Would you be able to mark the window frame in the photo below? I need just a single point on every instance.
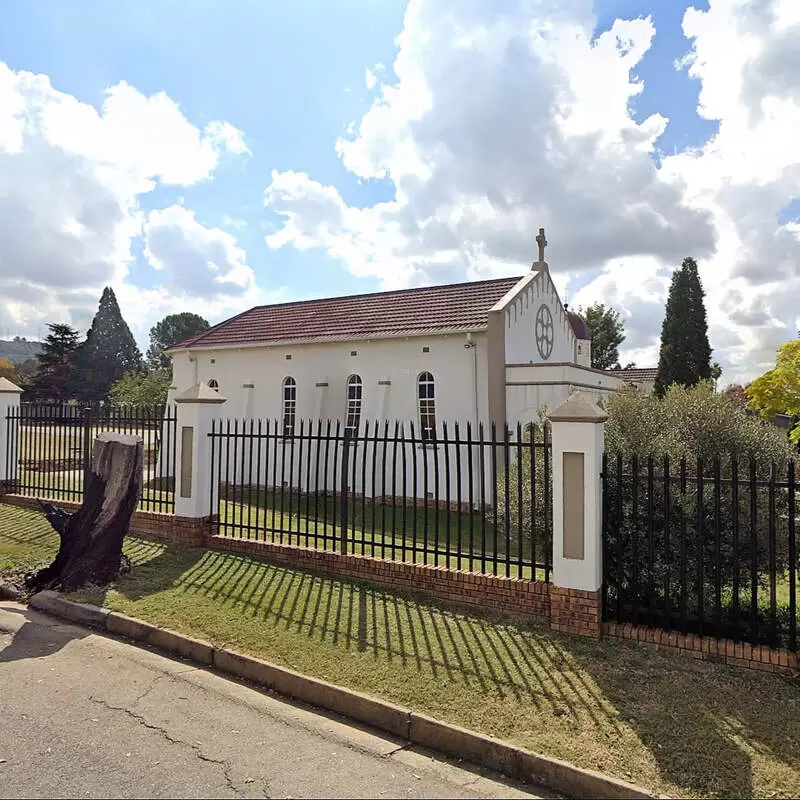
(353, 405)
(426, 406)
(289, 405)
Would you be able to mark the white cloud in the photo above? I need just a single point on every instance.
(502, 119)
(197, 261)
(507, 117)
(70, 182)
(370, 79)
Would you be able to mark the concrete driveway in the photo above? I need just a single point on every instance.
(83, 715)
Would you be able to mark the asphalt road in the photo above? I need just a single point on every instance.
(83, 715)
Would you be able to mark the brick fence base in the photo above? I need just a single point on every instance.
(510, 597)
(185, 530)
(706, 648)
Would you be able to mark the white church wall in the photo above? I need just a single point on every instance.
(531, 388)
(537, 328)
(583, 352)
(252, 381)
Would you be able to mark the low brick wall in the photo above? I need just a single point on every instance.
(528, 600)
(186, 530)
(706, 648)
(575, 611)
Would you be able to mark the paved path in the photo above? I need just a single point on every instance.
(83, 715)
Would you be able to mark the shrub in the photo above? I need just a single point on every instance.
(691, 422)
(527, 495)
(692, 537)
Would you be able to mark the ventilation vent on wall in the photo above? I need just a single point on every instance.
(354, 352)
(426, 349)
(288, 357)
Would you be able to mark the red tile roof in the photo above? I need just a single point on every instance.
(430, 309)
(636, 374)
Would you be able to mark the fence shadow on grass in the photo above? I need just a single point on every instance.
(398, 630)
(702, 724)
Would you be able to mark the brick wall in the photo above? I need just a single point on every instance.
(723, 651)
(185, 530)
(528, 600)
(575, 611)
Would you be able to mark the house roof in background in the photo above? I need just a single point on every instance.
(428, 309)
(636, 374)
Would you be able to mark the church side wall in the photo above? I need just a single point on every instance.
(252, 378)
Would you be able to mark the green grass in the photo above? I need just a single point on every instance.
(673, 725)
(424, 534)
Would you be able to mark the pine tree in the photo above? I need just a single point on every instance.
(109, 351)
(685, 356)
(57, 374)
(173, 329)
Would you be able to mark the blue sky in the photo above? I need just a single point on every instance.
(290, 75)
(505, 117)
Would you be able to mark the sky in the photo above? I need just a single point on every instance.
(208, 156)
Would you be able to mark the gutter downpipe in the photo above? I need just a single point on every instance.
(471, 345)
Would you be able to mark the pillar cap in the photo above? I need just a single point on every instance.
(578, 407)
(201, 393)
(7, 387)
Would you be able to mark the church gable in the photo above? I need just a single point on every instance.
(537, 327)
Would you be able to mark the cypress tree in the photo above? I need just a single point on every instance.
(685, 355)
(109, 350)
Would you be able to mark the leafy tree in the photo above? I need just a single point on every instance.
(685, 356)
(716, 373)
(57, 376)
(8, 370)
(172, 329)
(141, 389)
(738, 394)
(778, 391)
(608, 333)
(109, 350)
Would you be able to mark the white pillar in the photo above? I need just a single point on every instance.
(577, 435)
(9, 432)
(197, 408)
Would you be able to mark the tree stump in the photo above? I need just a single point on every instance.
(91, 538)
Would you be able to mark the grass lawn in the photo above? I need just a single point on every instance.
(421, 534)
(672, 725)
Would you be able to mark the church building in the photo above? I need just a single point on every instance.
(492, 351)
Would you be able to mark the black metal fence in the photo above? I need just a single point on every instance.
(49, 449)
(465, 499)
(705, 548)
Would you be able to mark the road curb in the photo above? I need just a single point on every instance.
(514, 762)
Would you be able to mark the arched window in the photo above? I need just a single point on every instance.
(289, 405)
(354, 393)
(212, 384)
(427, 406)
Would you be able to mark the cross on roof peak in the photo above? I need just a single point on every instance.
(542, 242)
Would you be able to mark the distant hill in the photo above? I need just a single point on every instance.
(19, 350)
